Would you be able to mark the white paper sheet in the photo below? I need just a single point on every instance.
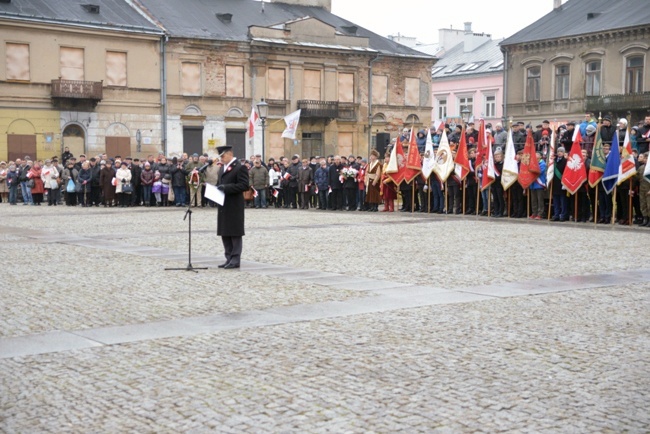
(214, 194)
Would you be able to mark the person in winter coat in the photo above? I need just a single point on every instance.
(4, 187)
(146, 180)
(84, 180)
(38, 189)
(536, 190)
(560, 202)
(421, 141)
(13, 181)
(321, 179)
(106, 176)
(25, 187)
(68, 175)
(178, 173)
(305, 178)
(50, 177)
(123, 176)
(259, 180)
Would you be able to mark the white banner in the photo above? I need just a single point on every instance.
(292, 120)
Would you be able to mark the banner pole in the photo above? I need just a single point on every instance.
(527, 191)
(429, 195)
(508, 203)
(596, 208)
(575, 208)
(550, 201)
(629, 208)
(464, 186)
(489, 201)
(446, 198)
(413, 196)
(613, 220)
(478, 195)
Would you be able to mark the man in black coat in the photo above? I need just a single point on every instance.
(233, 182)
(336, 197)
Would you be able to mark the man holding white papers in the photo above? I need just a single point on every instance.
(233, 181)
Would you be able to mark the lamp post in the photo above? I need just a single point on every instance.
(263, 112)
(465, 114)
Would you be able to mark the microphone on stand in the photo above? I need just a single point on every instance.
(205, 166)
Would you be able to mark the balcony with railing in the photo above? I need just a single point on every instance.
(618, 102)
(318, 109)
(77, 90)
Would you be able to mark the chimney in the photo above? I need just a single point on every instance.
(468, 27)
(557, 4)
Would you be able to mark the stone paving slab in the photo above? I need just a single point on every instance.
(51, 342)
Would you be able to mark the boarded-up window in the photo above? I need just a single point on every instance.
(190, 78)
(276, 145)
(115, 68)
(276, 84)
(346, 87)
(379, 89)
(72, 63)
(412, 92)
(312, 84)
(17, 62)
(235, 81)
(345, 144)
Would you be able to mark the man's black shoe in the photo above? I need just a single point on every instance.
(229, 266)
(223, 265)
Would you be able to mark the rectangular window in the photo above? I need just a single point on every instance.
(72, 63)
(276, 84)
(592, 75)
(17, 61)
(379, 89)
(412, 91)
(115, 68)
(466, 102)
(634, 74)
(490, 106)
(311, 85)
(533, 77)
(442, 108)
(346, 87)
(562, 82)
(235, 81)
(190, 78)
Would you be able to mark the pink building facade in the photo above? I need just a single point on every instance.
(482, 95)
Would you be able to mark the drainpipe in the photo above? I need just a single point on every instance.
(505, 85)
(370, 100)
(163, 91)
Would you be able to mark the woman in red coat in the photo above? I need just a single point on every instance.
(38, 189)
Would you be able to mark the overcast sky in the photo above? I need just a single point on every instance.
(423, 18)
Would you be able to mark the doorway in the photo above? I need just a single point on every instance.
(118, 146)
(75, 139)
(312, 144)
(237, 139)
(19, 145)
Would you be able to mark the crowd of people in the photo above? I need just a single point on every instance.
(352, 183)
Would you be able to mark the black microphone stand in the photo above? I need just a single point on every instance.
(189, 266)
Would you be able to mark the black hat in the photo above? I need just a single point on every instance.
(124, 163)
(545, 122)
(571, 123)
(538, 126)
(607, 118)
(223, 149)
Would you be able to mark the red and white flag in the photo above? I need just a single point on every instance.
(487, 165)
(628, 165)
(575, 172)
(462, 158)
(528, 166)
(251, 124)
(275, 193)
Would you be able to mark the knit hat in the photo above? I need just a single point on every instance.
(561, 149)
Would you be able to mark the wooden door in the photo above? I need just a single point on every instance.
(193, 140)
(118, 146)
(19, 145)
(237, 139)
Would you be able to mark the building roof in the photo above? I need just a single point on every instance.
(111, 13)
(484, 59)
(197, 19)
(578, 17)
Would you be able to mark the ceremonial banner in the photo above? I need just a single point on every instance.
(598, 161)
(482, 145)
(462, 158)
(628, 165)
(489, 174)
(429, 160)
(529, 166)
(510, 166)
(550, 162)
(292, 120)
(444, 160)
(413, 162)
(396, 169)
(610, 177)
(575, 172)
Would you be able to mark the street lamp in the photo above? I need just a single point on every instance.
(263, 113)
(465, 114)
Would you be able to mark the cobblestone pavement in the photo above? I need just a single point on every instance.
(337, 322)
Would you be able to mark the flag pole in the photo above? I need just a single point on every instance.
(429, 195)
(465, 185)
(446, 198)
(489, 201)
(613, 221)
(596, 207)
(575, 208)
(478, 195)
(550, 200)
(629, 207)
(508, 203)
(413, 197)
(527, 191)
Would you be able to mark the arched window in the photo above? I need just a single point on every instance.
(634, 74)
